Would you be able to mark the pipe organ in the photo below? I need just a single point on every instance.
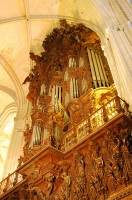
(78, 142)
(71, 65)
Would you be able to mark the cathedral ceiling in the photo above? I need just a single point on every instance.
(23, 27)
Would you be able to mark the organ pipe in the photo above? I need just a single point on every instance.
(56, 94)
(60, 94)
(96, 68)
(53, 96)
(102, 66)
(55, 131)
(56, 91)
(74, 91)
(45, 134)
(92, 68)
(50, 90)
(74, 63)
(43, 90)
(77, 89)
(74, 88)
(67, 99)
(33, 136)
(81, 62)
(84, 85)
(66, 76)
(70, 62)
(36, 136)
(100, 70)
(38, 132)
(71, 89)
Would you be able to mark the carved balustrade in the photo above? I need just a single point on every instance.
(97, 167)
(78, 133)
(10, 181)
(94, 121)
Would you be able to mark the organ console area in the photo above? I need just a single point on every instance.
(78, 135)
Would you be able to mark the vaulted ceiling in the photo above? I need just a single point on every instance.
(23, 26)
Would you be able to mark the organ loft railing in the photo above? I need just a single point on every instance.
(93, 122)
(78, 132)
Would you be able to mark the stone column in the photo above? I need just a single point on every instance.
(16, 143)
(117, 45)
(123, 63)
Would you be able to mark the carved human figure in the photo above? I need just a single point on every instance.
(65, 188)
(115, 146)
(78, 175)
(127, 157)
(32, 95)
(117, 160)
(49, 178)
(66, 178)
(116, 171)
(110, 179)
(99, 164)
(56, 197)
(41, 195)
(94, 187)
(78, 163)
(27, 138)
(105, 152)
(63, 166)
